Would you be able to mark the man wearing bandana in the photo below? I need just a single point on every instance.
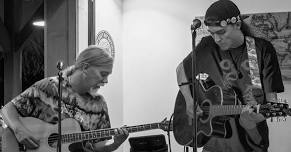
(234, 59)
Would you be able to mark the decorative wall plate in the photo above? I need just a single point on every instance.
(104, 40)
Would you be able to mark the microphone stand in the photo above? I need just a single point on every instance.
(194, 84)
(60, 76)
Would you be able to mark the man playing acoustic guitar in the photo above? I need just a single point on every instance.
(235, 60)
(80, 101)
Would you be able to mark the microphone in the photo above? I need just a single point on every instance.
(60, 65)
(196, 24)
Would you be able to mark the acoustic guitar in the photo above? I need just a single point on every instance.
(71, 133)
(214, 119)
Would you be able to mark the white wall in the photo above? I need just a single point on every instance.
(156, 37)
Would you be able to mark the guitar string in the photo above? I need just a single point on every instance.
(82, 134)
(110, 132)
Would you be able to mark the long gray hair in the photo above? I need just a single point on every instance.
(92, 56)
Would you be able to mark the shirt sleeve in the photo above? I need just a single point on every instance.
(30, 102)
(25, 103)
(272, 79)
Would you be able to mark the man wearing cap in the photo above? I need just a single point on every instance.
(248, 65)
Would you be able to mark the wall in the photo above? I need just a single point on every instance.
(156, 37)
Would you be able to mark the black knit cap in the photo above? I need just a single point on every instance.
(222, 12)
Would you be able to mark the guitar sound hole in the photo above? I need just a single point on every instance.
(205, 109)
(53, 140)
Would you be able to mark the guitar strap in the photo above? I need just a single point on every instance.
(256, 85)
(253, 62)
(256, 88)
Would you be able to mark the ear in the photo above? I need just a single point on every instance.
(238, 25)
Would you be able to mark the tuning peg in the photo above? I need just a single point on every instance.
(281, 105)
(267, 114)
(284, 119)
(280, 119)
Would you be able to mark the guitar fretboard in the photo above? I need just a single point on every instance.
(222, 110)
(89, 135)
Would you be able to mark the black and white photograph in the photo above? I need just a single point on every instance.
(145, 76)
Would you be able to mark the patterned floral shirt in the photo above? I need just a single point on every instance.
(41, 101)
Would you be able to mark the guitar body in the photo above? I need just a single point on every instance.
(207, 125)
(44, 131)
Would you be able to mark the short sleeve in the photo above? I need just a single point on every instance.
(25, 103)
(272, 79)
(30, 102)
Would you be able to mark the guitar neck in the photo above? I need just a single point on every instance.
(222, 110)
(95, 134)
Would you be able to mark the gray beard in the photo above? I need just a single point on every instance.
(94, 92)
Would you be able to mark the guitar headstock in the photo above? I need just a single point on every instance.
(166, 125)
(275, 109)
